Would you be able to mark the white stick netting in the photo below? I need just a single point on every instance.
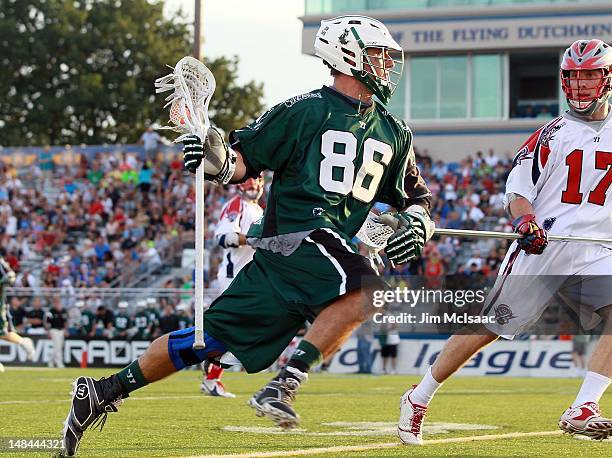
(193, 86)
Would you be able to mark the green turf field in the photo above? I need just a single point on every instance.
(171, 418)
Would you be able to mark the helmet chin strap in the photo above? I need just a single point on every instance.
(596, 105)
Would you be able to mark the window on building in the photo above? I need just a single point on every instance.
(424, 88)
(534, 85)
(453, 86)
(487, 86)
(397, 104)
(457, 87)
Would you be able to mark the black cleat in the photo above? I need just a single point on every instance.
(91, 402)
(275, 399)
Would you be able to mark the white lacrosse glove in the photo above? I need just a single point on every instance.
(219, 160)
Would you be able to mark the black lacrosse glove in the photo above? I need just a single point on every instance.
(535, 239)
(193, 152)
(408, 240)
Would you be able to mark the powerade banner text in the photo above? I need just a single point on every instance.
(99, 353)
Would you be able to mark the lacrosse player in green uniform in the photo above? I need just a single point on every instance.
(334, 152)
(7, 330)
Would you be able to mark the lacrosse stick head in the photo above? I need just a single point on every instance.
(192, 85)
(374, 235)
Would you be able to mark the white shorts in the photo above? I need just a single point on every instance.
(578, 274)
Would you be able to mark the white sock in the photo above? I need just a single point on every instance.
(592, 389)
(424, 391)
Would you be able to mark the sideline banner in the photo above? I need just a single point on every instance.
(100, 352)
(533, 358)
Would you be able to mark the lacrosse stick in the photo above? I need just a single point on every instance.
(377, 229)
(193, 86)
(514, 236)
(374, 236)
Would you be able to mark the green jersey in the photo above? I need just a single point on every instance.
(122, 322)
(331, 163)
(153, 317)
(87, 321)
(142, 320)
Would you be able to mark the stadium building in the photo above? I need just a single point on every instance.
(478, 74)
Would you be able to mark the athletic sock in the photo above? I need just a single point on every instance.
(305, 356)
(592, 389)
(425, 390)
(214, 372)
(131, 378)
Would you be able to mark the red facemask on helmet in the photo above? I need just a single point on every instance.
(252, 188)
(586, 76)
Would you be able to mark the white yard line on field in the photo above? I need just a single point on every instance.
(366, 447)
(131, 399)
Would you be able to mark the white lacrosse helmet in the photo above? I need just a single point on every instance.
(342, 42)
(585, 95)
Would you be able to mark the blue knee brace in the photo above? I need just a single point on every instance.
(182, 354)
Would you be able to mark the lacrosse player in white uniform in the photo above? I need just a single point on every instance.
(559, 184)
(236, 218)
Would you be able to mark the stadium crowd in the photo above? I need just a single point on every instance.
(105, 220)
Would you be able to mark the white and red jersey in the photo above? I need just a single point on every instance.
(237, 215)
(565, 170)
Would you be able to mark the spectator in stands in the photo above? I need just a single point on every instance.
(103, 324)
(35, 316)
(56, 323)
(18, 313)
(169, 321)
(492, 160)
(544, 113)
(365, 337)
(151, 141)
(389, 342)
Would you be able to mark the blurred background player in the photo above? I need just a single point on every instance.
(7, 330)
(236, 218)
(142, 321)
(56, 323)
(122, 321)
(560, 180)
(154, 314)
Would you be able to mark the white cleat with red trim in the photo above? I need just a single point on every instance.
(586, 420)
(410, 427)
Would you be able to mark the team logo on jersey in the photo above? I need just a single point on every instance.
(232, 216)
(342, 38)
(503, 314)
(317, 211)
(548, 223)
(522, 155)
(298, 98)
(548, 133)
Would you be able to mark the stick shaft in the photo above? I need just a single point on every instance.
(199, 259)
(513, 236)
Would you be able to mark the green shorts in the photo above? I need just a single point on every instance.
(271, 297)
